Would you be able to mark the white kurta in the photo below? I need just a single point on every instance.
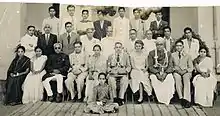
(89, 44)
(121, 28)
(149, 45)
(108, 44)
(68, 19)
(204, 87)
(54, 23)
(29, 42)
(193, 51)
(137, 75)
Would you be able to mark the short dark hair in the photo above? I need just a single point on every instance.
(30, 26)
(179, 41)
(100, 11)
(77, 42)
(20, 47)
(187, 28)
(133, 30)
(85, 11)
(69, 6)
(37, 47)
(51, 7)
(67, 23)
(97, 45)
(118, 43)
(102, 73)
(136, 9)
(140, 42)
(167, 27)
(158, 11)
(119, 8)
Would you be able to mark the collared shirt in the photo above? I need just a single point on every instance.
(71, 19)
(101, 23)
(83, 25)
(158, 23)
(108, 44)
(193, 51)
(168, 43)
(149, 45)
(185, 62)
(79, 60)
(54, 23)
(88, 44)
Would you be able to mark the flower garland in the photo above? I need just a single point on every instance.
(165, 63)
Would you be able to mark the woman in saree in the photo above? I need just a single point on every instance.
(139, 74)
(204, 82)
(96, 65)
(33, 87)
(16, 75)
(102, 99)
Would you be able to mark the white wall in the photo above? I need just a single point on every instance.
(181, 17)
(9, 34)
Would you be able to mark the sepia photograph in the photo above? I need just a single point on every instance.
(59, 59)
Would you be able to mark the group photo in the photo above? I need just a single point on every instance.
(66, 59)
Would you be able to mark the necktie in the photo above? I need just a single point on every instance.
(47, 38)
(118, 59)
(179, 55)
(68, 38)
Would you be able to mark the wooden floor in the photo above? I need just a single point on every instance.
(76, 109)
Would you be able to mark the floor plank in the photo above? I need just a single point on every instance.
(130, 110)
(23, 110)
(181, 110)
(122, 110)
(138, 110)
(56, 109)
(41, 108)
(199, 111)
(73, 109)
(191, 111)
(64, 109)
(35, 107)
(49, 109)
(80, 110)
(156, 110)
(173, 110)
(147, 109)
(14, 112)
(164, 110)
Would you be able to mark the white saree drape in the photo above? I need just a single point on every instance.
(204, 87)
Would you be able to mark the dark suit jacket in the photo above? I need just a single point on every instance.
(60, 62)
(157, 31)
(47, 49)
(100, 32)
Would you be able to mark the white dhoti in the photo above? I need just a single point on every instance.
(90, 84)
(164, 90)
(59, 79)
(79, 82)
(138, 77)
(123, 85)
(204, 88)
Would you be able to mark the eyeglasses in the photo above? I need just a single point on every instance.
(57, 48)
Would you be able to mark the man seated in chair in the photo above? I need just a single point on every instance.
(78, 71)
(160, 69)
(57, 68)
(119, 66)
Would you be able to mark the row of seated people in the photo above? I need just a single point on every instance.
(160, 71)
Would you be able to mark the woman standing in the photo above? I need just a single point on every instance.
(96, 65)
(33, 87)
(16, 75)
(139, 74)
(204, 81)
